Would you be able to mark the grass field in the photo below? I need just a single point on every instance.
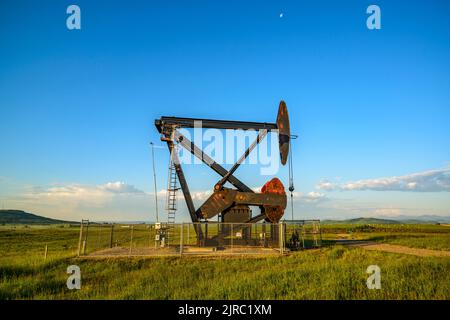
(333, 272)
(416, 236)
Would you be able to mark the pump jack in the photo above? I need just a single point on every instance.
(231, 204)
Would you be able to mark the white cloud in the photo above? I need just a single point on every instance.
(310, 197)
(119, 201)
(84, 191)
(120, 187)
(326, 185)
(428, 181)
(199, 195)
(388, 212)
(314, 196)
(112, 200)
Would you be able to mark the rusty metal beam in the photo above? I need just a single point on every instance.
(221, 200)
(215, 124)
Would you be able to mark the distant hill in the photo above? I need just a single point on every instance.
(422, 219)
(22, 217)
(361, 221)
(394, 220)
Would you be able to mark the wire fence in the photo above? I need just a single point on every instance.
(108, 239)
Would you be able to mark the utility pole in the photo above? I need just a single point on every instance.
(154, 179)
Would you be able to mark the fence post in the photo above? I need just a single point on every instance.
(320, 234)
(188, 238)
(231, 238)
(131, 240)
(86, 238)
(81, 237)
(263, 229)
(303, 234)
(181, 239)
(154, 236)
(45, 252)
(280, 232)
(111, 236)
(149, 236)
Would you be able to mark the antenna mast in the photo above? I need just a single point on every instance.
(154, 179)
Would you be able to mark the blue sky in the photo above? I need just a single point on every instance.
(77, 107)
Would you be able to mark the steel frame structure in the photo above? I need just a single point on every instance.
(224, 198)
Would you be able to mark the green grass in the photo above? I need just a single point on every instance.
(415, 240)
(370, 228)
(26, 246)
(425, 236)
(333, 272)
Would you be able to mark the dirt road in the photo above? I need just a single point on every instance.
(369, 245)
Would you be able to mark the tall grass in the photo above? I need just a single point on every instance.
(330, 273)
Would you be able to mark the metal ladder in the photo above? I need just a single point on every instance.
(171, 205)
